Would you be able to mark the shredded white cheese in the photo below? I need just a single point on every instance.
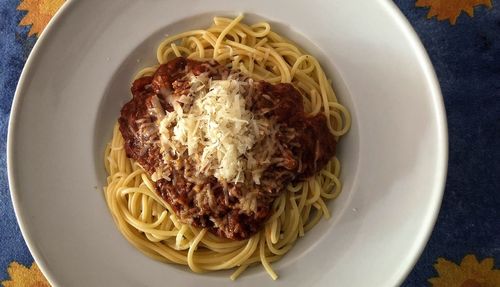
(214, 128)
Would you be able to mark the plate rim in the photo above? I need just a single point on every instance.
(442, 127)
(16, 103)
(428, 70)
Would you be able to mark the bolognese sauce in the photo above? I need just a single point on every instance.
(273, 144)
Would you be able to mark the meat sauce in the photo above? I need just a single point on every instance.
(306, 146)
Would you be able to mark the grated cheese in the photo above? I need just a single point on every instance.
(215, 129)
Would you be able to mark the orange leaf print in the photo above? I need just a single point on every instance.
(469, 273)
(21, 276)
(451, 9)
(39, 13)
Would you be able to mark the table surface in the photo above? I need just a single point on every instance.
(463, 42)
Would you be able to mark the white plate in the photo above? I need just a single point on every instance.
(78, 76)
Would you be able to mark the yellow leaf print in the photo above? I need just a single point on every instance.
(39, 13)
(21, 276)
(451, 9)
(470, 273)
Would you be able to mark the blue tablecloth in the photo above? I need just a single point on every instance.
(465, 52)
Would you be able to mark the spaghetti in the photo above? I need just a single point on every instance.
(152, 226)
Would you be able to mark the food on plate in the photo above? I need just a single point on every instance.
(225, 155)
